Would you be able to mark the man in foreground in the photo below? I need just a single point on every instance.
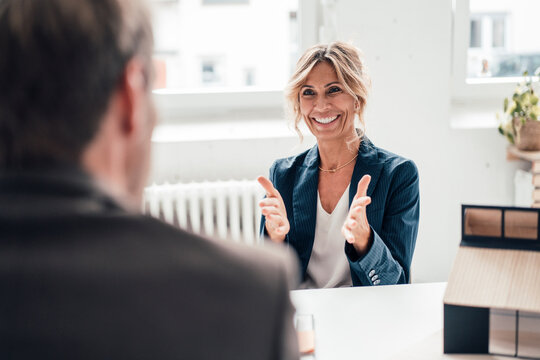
(82, 274)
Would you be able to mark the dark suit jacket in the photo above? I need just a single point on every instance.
(82, 278)
(393, 213)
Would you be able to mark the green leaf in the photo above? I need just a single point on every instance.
(510, 138)
(505, 104)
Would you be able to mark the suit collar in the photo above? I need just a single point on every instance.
(368, 163)
(53, 191)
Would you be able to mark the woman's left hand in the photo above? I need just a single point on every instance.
(356, 228)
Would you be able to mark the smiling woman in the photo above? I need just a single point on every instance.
(318, 202)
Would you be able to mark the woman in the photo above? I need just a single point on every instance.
(344, 188)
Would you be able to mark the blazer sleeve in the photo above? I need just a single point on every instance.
(389, 259)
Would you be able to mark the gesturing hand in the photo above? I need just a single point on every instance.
(273, 209)
(356, 228)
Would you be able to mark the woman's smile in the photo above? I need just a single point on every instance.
(325, 120)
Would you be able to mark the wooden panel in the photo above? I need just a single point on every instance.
(521, 224)
(483, 222)
(505, 279)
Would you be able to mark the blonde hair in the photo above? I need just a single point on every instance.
(350, 70)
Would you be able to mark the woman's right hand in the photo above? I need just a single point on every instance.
(273, 209)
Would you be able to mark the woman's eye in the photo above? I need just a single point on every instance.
(334, 89)
(308, 92)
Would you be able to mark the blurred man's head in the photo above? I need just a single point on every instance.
(75, 78)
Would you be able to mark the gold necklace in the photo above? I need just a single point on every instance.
(339, 167)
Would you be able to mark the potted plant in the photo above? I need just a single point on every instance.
(519, 122)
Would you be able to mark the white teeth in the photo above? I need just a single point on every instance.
(326, 120)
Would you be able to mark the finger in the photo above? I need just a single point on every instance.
(272, 223)
(363, 186)
(283, 229)
(267, 211)
(268, 187)
(269, 202)
(358, 210)
(274, 218)
(277, 225)
(351, 224)
(347, 234)
(361, 201)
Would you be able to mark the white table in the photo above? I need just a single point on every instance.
(398, 322)
(376, 322)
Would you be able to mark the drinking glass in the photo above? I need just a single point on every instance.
(305, 329)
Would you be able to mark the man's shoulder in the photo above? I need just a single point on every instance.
(222, 259)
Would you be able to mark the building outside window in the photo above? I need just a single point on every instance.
(212, 72)
(476, 32)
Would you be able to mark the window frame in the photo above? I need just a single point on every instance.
(180, 104)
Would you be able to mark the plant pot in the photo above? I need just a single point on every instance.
(528, 138)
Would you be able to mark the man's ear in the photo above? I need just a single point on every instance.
(132, 89)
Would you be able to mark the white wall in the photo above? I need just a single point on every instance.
(407, 45)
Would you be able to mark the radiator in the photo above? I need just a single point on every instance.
(222, 209)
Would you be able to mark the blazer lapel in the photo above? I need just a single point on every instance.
(305, 205)
(366, 164)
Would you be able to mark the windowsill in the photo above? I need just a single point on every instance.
(498, 80)
(176, 104)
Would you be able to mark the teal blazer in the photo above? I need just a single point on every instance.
(393, 213)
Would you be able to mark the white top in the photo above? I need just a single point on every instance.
(328, 266)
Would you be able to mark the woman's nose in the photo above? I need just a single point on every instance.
(321, 103)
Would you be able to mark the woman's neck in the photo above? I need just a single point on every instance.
(334, 153)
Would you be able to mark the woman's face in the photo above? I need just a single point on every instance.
(325, 106)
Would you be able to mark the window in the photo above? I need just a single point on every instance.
(486, 44)
(257, 37)
(502, 40)
(494, 42)
(211, 53)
